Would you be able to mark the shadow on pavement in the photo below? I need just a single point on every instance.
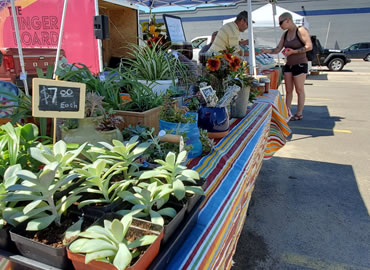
(305, 209)
(316, 122)
(320, 77)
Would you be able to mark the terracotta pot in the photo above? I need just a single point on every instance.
(78, 260)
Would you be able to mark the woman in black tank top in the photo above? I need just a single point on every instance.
(297, 42)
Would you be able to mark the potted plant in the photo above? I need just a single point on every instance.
(93, 127)
(115, 244)
(148, 200)
(155, 66)
(177, 120)
(15, 143)
(42, 214)
(182, 181)
(142, 109)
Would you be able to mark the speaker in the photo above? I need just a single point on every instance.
(101, 27)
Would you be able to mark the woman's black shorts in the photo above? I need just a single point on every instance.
(296, 69)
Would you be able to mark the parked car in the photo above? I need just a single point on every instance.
(333, 59)
(358, 51)
(198, 43)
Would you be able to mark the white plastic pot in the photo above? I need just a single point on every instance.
(159, 87)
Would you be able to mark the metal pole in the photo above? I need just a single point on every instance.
(100, 55)
(60, 37)
(276, 39)
(19, 44)
(327, 34)
(252, 58)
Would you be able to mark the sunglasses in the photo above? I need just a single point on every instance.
(281, 22)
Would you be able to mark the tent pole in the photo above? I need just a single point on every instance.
(99, 41)
(60, 37)
(273, 4)
(252, 58)
(19, 44)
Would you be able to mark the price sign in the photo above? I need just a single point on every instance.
(58, 99)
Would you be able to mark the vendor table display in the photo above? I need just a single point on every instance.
(231, 171)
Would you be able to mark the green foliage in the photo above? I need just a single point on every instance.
(48, 74)
(207, 143)
(14, 145)
(170, 112)
(109, 243)
(98, 181)
(154, 62)
(173, 173)
(147, 199)
(39, 189)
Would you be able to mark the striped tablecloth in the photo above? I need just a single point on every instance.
(231, 171)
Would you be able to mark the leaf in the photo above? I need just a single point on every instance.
(40, 223)
(93, 245)
(156, 218)
(72, 231)
(170, 159)
(31, 206)
(142, 241)
(76, 245)
(123, 257)
(181, 157)
(99, 255)
(38, 154)
(60, 148)
(168, 211)
(191, 174)
(10, 175)
(117, 230)
(178, 189)
(194, 189)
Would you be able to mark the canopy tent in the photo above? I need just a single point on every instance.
(262, 17)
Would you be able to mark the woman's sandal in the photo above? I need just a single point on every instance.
(296, 117)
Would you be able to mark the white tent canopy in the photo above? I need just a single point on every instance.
(263, 17)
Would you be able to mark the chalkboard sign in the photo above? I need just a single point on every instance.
(58, 99)
(174, 28)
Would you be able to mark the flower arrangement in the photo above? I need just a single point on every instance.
(226, 69)
(154, 32)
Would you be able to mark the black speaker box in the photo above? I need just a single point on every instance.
(101, 27)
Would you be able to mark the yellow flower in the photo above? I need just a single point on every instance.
(152, 29)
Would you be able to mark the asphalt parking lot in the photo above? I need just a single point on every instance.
(311, 203)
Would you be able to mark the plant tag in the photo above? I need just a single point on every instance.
(161, 133)
(181, 144)
(23, 76)
(102, 77)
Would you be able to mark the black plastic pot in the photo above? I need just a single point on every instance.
(172, 226)
(193, 199)
(56, 257)
(177, 240)
(5, 242)
(99, 211)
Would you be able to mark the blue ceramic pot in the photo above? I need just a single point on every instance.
(213, 119)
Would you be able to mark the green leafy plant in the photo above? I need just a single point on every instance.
(123, 154)
(208, 144)
(109, 243)
(147, 201)
(170, 112)
(39, 189)
(14, 145)
(173, 173)
(154, 62)
(98, 181)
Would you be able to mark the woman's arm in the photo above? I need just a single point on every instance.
(305, 37)
(278, 48)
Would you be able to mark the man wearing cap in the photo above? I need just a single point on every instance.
(229, 35)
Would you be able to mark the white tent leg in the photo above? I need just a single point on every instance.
(100, 55)
(19, 44)
(273, 4)
(60, 37)
(252, 58)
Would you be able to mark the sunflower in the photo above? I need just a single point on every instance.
(213, 64)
